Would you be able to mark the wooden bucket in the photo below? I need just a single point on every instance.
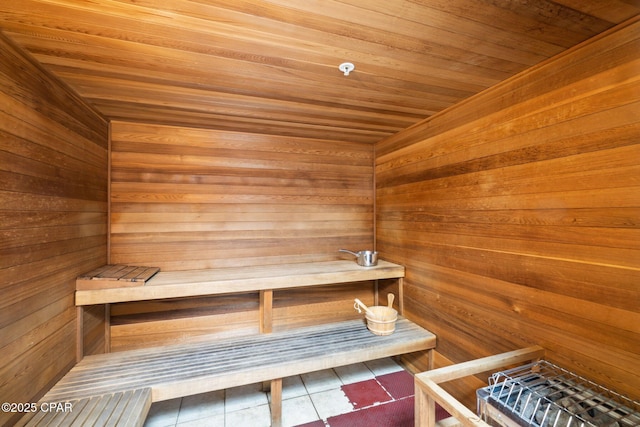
(381, 320)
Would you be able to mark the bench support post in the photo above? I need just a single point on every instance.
(266, 311)
(79, 333)
(276, 402)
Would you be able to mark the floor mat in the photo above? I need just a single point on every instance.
(398, 413)
(386, 401)
(366, 393)
(398, 384)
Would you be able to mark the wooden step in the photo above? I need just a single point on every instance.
(128, 408)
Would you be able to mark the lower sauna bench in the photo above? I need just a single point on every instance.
(179, 370)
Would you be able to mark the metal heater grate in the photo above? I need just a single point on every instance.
(542, 394)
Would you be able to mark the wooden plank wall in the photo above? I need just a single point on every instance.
(517, 215)
(53, 224)
(188, 198)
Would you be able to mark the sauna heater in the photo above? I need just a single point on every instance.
(542, 394)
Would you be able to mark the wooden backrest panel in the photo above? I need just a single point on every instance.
(516, 214)
(53, 223)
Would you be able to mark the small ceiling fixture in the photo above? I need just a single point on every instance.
(346, 68)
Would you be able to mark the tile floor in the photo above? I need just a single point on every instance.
(324, 398)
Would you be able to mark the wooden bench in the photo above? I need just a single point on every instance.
(112, 387)
(220, 281)
(177, 370)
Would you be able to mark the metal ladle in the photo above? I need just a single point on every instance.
(364, 258)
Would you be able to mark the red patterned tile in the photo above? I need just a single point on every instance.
(398, 384)
(386, 401)
(365, 393)
(441, 414)
(397, 413)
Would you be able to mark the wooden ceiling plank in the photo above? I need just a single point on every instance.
(294, 54)
(561, 26)
(365, 23)
(168, 115)
(183, 98)
(613, 11)
(363, 96)
(271, 66)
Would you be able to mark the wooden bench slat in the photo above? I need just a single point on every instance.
(114, 272)
(123, 408)
(110, 408)
(31, 419)
(222, 355)
(221, 347)
(91, 411)
(95, 272)
(188, 361)
(152, 356)
(132, 273)
(184, 369)
(217, 352)
(130, 416)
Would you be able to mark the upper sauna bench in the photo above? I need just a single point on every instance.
(228, 280)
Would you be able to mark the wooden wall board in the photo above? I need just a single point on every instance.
(145, 323)
(187, 198)
(94, 330)
(220, 317)
(53, 222)
(515, 213)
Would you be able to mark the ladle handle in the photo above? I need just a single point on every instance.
(390, 298)
(358, 305)
(347, 251)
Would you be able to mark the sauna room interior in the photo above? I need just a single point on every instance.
(490, 148)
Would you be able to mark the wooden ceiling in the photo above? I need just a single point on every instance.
(272, 66)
